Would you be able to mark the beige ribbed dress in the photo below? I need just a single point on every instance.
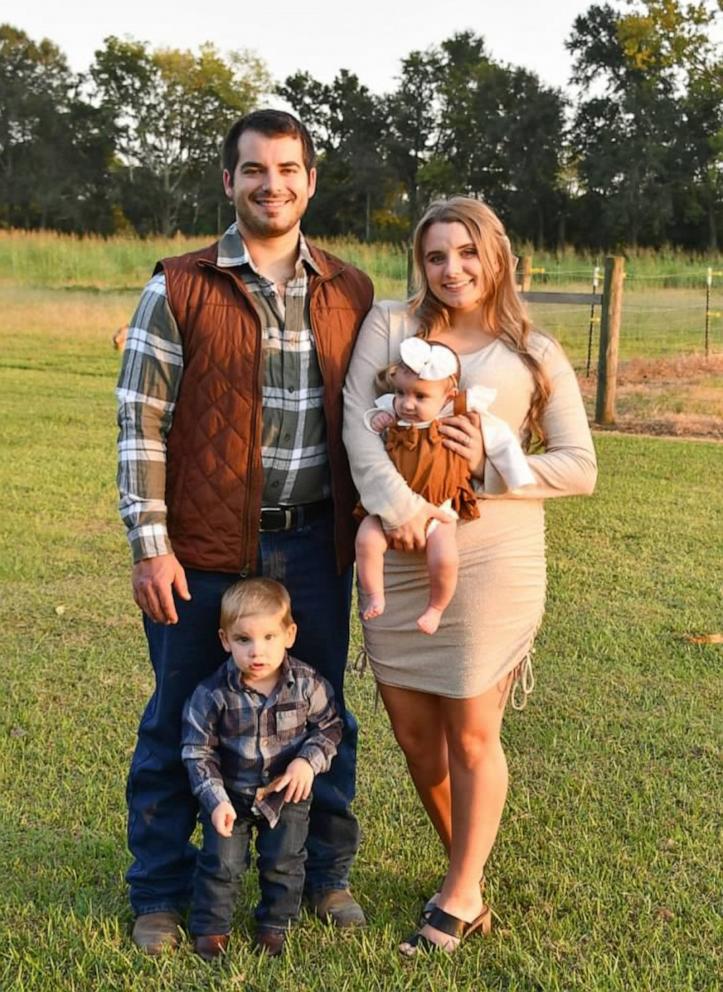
(489, 626)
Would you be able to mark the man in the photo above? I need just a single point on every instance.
(231, 464)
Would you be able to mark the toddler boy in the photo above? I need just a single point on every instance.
(254, 735)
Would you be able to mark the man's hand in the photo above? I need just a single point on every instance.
(223, 819)
(154, 580)
(297, 780)
(380, 421)
(412, 535)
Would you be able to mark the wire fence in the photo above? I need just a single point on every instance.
(663, 316)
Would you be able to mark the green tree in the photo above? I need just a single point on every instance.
(53, 145)
(639, 119)
(500, 136)
(460, 122)
(412, 136)
(170, 110)
(698, 165)
(347, 123)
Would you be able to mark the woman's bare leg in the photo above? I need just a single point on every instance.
(478, 779)
(371, 544)
(442, 566)
(418, 726)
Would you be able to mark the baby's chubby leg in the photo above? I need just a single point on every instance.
(442, 563)
(371, 544)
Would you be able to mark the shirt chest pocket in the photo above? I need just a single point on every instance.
(289, 724)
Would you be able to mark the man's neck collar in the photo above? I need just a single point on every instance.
(233, 250)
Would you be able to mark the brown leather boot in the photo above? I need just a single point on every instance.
(337, 906)
(157, 932)
(210, 946)
(270, 942)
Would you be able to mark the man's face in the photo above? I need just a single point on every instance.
(270, 187)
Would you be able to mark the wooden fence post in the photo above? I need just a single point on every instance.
(708, 285)
(607, 368)
(525, 267)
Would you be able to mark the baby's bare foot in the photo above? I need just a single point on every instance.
(429, 620)
(371, 605)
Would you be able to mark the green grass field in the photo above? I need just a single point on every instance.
(607, 869)
(663, 312)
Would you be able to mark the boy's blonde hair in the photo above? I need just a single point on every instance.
(249, 597)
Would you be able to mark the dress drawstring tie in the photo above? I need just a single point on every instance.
(524, 682)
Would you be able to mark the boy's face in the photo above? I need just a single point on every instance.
(419, 400)
(257, 643)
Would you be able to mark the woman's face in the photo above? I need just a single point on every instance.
(452, 265)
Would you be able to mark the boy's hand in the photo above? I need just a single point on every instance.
(297, 780)
(223, 818)
(380, 421)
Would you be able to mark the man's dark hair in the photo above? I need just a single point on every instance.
(272, 123)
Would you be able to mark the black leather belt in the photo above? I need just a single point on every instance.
(275, 518)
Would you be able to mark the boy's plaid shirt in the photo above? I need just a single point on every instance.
(293, 444)
(236, 739)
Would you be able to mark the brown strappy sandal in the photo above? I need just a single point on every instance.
(446, 923)
(432, 902)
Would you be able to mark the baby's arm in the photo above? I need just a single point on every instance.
(380, 421)
(381, 415)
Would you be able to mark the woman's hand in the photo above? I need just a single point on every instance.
(412, 535)
(463, 434)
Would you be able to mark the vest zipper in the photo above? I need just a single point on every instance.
(247, 568)
(322, 280)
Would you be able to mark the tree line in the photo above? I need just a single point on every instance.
(634, 155)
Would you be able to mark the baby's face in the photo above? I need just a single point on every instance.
(418, 400)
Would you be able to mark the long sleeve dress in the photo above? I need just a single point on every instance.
(488, 628)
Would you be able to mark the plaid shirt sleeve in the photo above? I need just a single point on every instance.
(147, 389)
(324, 727)
(200, 748)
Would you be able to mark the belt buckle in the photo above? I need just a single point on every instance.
(282, 514)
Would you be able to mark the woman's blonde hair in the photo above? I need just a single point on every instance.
(503, 312)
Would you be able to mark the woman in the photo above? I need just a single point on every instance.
(446, 694)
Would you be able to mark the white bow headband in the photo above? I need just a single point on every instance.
(428, 361)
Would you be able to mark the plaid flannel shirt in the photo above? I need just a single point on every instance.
(293, 443)
(235, 739)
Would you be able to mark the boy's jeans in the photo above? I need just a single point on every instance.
(161, 810)
(222, 861)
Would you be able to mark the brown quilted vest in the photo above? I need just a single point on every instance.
(214, 474)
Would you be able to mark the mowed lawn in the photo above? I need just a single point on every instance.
(607, 871)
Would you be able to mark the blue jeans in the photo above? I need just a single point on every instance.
(222, 861)
(161, 810)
